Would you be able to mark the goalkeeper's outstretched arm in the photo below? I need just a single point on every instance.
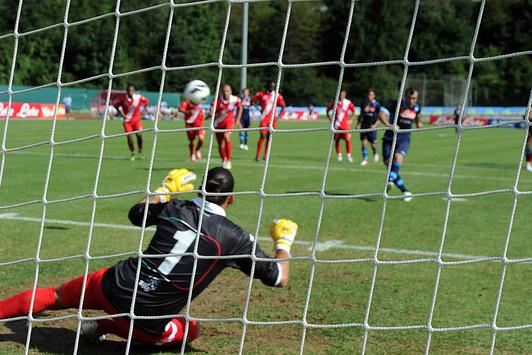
(284, 266)
(274, 271)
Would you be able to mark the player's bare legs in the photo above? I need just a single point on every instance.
(201, 139)
(528, 153)
(228, 149)
(131, 146)
(338, 149)
(375, 153)
(264, 138)
(221, 146)
(191, 152)
(139, 144)
(348, 147)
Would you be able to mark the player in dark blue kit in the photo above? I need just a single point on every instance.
(369, 116)
(245, 119)
(408, 115)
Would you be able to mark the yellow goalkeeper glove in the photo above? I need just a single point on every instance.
(177, 180)
(283, 232)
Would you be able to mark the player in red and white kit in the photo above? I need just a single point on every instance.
(224, 118)
(268, 105)
(345, 112)
(194, 116)
(129, 107)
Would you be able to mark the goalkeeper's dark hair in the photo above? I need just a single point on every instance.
(270, 86)
(219, 180)
(410, 91)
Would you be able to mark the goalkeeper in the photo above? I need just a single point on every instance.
(165, 273)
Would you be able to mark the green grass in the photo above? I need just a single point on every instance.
(477, 226)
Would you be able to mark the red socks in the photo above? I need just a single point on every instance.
(259, 146)
(19, 305)
(191, 148)
(348, 146)
(139, 142)
(228, 149)
(130, 144)
(221, 150)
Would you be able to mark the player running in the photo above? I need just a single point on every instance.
(408, 114)
(345, 111)
(165, 280)
(224, 118)
(245, 120)
(456, 116)
(129, 107)
(368, 119)
(528, 148)
(268, 104)
(194, 116)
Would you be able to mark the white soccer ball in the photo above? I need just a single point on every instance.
(197, 92)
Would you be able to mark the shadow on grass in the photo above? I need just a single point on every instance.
(59, 228)
(53, 340)
(333, 193)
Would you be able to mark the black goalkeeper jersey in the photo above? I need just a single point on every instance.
(165, 281)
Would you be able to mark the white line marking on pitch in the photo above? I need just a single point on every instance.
(456, 199)
(320, 246)
(297, 167)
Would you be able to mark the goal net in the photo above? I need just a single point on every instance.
(374, 256)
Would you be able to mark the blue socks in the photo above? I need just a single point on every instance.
(400, 184)
(528, 151)
(364, 153)
(394, 171)
(395, 178)
(244, 137)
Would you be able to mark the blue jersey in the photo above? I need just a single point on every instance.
(246, 104)
(369, 113)
(407, 116)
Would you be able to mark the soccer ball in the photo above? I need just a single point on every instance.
(197, 92)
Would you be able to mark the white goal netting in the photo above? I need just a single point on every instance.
(314, 261)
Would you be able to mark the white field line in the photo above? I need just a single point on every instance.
(321, 246)
(303, 167)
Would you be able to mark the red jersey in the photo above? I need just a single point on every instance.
(131, 106)
(225, 110)
(343, 111)
(193, 113)
(267, 103)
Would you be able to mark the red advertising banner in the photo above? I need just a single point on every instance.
(299, 115)
(29, 110)
(466, 120)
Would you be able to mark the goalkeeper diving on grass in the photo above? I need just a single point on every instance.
(166, 269)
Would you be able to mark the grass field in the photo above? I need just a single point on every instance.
(476, 228)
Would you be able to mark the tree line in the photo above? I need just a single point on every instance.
(316, 32)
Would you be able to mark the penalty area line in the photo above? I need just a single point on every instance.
(320, 246)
